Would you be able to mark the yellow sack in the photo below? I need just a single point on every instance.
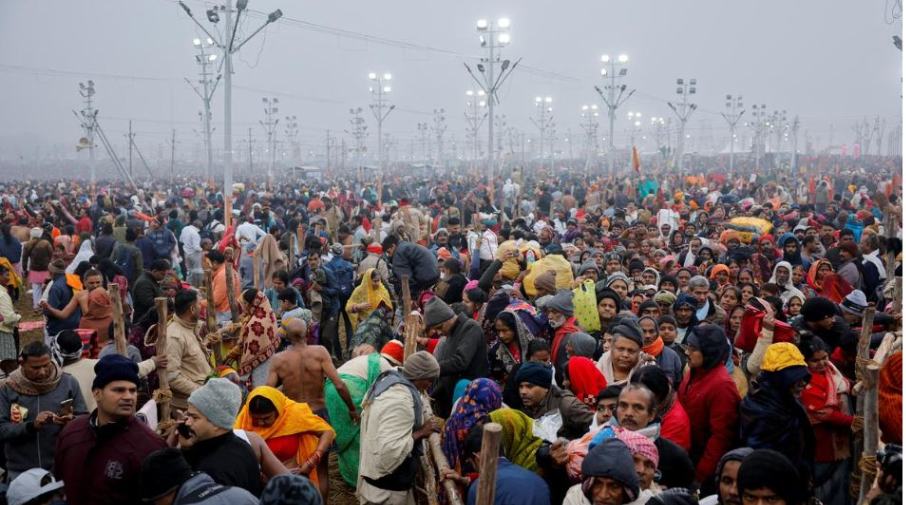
(510, 268)
(585, 306)
(554, 262)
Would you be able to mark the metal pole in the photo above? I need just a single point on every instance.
(732, 145)
(380, 127)
(228, 117)
(611, 114)
(491, 64)
(172, 152)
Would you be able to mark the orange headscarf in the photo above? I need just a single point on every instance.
(293, 418)
(831, 286)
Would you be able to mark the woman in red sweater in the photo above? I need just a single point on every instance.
(825, 401)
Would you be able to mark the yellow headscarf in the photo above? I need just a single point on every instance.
(293, 418)
(366, 293)
(14, 280)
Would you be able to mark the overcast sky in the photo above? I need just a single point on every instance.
(829, 61)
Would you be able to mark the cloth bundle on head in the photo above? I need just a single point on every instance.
(218, 400)
(536, 374)
(769, 469)
(562, 302)
(585, 380)
(393, 350)
(817, 308)
(290, 489)
(613, 460)
(436, 312)
(855, 303)
(443, 254)
(421, 366)
(639, 444)
(66, 346)
(712, 341)
(546, 281)
(114, 367)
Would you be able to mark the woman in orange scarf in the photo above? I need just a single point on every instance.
(825, 282)
(298, 437)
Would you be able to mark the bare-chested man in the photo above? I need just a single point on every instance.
(301, 370)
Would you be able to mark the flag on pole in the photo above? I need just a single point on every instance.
(636, 162)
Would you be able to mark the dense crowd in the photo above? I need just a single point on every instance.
(642, 338)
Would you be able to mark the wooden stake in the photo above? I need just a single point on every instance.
(160, 348)
(119, 321)
(868, 318)
(412, 332)
(256, 268)
(211, 320)
(231, 296)
(487, 465)
(430, 478)
(440, 461)
(870, 426)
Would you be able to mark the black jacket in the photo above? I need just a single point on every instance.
(229, 460)
(461, 356)
(417, 263)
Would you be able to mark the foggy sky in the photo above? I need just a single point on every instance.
(829, 61)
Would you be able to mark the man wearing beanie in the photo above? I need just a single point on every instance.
(822, 317)
(769, 477)
(608, 476)
(560, 316)
(167, 478)
(540, 396)
(394, 422)
(212, 446)
(853, 306)
(625, 352)
(461, 355)
(99, 456)
(771, 414)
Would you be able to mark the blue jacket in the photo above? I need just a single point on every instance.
(11, 251)
(515, 486)
(58, 297)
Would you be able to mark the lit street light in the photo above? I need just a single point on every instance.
(732, 116)
(381, 108)
(683, 111)
(613, 94)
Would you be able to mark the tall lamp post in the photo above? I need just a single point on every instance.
(381, 108)
(270, 128)
(544, 123)
(493, 35)
(614, 94)
(88, 116)
(734, 112)
(683, 111)
(205, 60)
(590, 127)
(475, 116)
(229, 46)
(759, 118)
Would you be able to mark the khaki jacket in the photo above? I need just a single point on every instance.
(188, 364)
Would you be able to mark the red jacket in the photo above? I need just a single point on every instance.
(711, 400)
(675, 426)
(101, 466)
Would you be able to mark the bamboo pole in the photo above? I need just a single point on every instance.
(119, 321)
(868, 318)
(487, 465)
(440, 461)
(256, 269)
(869, 430)
(231, 296)
(430, 479)
(211, 319)
(160, 348)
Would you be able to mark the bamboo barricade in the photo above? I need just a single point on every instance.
(440, 461)
(487, 463)
(160, 348)
(412, 322)
(256, 269)
(862, 361)
(211, 319)
(868, 463)
(119, 321)
(228, 265)
(430, 479)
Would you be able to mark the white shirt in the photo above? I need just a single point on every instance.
(248, 232)
(488, 246)
(190, 239)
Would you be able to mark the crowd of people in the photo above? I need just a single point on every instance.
(641, 338)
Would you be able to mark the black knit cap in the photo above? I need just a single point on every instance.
(817, 308)
(163, 471)
(114, 367)
(767, 468)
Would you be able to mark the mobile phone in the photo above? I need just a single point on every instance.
(66, 407)
(183, 430)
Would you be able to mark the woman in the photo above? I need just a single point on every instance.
(292, 431)
(366, 297)
(374, 332)
(481, 397)
(794, 306)
(519, 442)
(825, 282)
(618, 363)
(584, 379)
(720, 274)
(512, 339)
(36, 257)
(730, 297)
(258, 339)
(734, 321)
(745, 276)
(825, 401)
(747, 291)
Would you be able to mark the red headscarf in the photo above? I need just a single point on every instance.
(585, 380)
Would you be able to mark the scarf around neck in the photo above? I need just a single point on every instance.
(24, 386)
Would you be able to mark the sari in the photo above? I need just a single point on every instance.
(365, 292)
(519, 442)
(481, 397)
(831, 286)
(348, 432)
(258, 339)
(294, 421)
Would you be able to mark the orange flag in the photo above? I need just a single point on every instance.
(636, 161)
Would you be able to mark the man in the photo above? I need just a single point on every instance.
(636, 410)
(190, 238)
(58, 297)
(873, 269)
(248, 232)
(219, 286)
(36, 402)
(608, 476)
(324, 284)
(163, 241)
(412, 260)
(344, 273)
(514, 485)
(393, 426)
(726, 476)
(375, 259)
(766, 476)
(540, 396)
(706, 310)
(167, 479)
(212, 447)
(187, 358)
(128, 257)
(99, 456)
(146, 289)
(460, 356)
(849, 269)
(105, 241)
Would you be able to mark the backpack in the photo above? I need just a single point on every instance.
(345, 277)
(160, 242)
(123, 258)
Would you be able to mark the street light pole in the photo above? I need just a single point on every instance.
(439, 126)
(475, 117)
(759, 114)
(378, 90)
(229, 47)
(270, 128)
(590, 127)
(205, 60)
(88, 116)
(616, 95)
(683, 112)
(734, 113)
(544, 123)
